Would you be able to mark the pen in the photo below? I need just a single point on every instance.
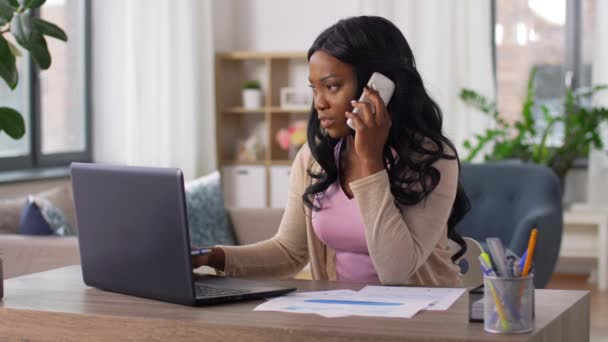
(497, 302)
(487, 270)
(522, 261)
(530, 254)
(486, 258)
(528, 264)
(200, 251)
(516, 270)
(486, 265)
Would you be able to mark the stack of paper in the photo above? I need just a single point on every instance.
(443, 297)
(379, 301)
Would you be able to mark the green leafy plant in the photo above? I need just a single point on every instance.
(28, 32)
(252, 84)
(524, 141)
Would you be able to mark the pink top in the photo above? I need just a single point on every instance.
(340, 226)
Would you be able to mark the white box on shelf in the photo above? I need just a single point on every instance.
(244, 186)
(279, 186)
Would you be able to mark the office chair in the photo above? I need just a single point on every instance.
(507, 201)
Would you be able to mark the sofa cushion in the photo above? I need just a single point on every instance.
(32, 222)
(63, 200)
(207, 217)
(55, 218)
(41, 217)
(10, 213)
(60, 198)
(251, 225)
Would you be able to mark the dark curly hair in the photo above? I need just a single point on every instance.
(372, 44)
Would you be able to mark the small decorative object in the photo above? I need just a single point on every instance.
(252, 94)
(295, 98)
(252, 149)
(292, 138)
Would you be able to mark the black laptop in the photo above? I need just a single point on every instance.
(134, 239)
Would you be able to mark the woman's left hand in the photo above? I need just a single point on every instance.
(372, 126)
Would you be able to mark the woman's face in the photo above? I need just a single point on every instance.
(334, 85)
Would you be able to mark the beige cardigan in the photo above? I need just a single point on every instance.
(407, 245)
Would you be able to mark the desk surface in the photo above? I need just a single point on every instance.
(57, 304)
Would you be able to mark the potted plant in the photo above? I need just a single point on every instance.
(252, 94)
(525, 140)
(18, 26)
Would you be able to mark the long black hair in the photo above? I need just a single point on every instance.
(372, 44)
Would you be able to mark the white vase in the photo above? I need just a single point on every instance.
(252, 98)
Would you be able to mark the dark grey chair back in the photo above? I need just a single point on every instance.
(507, 201)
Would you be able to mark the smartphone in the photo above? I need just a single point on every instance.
(385, 87)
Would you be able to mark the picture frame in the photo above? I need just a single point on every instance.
(295, 98)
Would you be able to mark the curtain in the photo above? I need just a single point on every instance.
(153, 84)
(452, 45)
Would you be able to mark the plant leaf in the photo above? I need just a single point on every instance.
(15, 50)
(528, 104)
(21, 28)
(8, 66)
(472, 98)
(12, 123)
(40, 51)
(33, 3)
(6, 12)
(49, 29)
(590, 91)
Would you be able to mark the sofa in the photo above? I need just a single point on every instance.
(24, 254)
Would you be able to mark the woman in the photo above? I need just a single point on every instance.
(376, 204)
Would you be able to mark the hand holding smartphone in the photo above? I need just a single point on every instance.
(385, 88)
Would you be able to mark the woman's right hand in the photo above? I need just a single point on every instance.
(215, 260)
(200, 260)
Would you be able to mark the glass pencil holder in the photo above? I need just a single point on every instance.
(508, 304)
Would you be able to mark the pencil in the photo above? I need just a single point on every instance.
(499, 307)
(530, 254)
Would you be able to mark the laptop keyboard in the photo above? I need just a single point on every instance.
(202, 291)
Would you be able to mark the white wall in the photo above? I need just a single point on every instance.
(224, 25)
(271, 25)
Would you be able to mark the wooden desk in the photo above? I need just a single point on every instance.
(57, 305)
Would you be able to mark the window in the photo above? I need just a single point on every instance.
(553, 36)
(54, 102)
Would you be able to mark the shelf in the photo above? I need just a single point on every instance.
(239, 129)
(238, 55)
(278, 162)
(280, 110)
(246, 163)
(281, 162)
(275, 109)
(241, 110)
